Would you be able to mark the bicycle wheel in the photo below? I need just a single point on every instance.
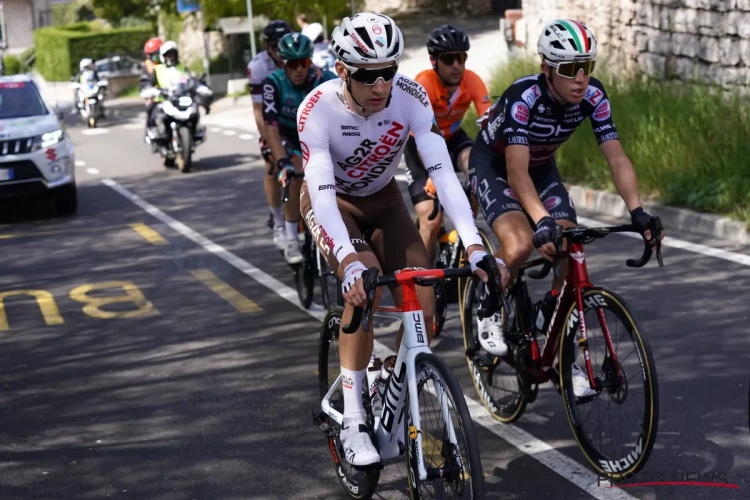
(629, 379)
(304, 273)
(330, 286)
(357, 483)
(495, 379)
(449, 444)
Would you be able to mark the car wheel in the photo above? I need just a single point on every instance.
(66, 200)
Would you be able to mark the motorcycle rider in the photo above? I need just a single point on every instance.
(160, 78)
(262, 65)
(151, 49)
(86, 71)
(283, 92)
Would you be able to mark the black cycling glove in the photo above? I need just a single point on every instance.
(545, 232)
(284, 164)
(641, 220)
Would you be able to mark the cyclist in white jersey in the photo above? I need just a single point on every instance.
(263, 64)
(352, 134)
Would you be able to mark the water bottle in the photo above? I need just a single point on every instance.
(545, 308)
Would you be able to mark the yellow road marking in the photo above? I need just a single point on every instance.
(44, 300)
(226, 292)
(148, 233)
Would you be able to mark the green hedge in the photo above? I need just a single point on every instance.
(13, 65)
(58, 51)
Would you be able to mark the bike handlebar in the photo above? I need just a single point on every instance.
(494, 301)
(587, 235)
(285, 190)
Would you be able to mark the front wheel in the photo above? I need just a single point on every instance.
(449, 444)
(625, 384)
(185, 156)
(357, 483)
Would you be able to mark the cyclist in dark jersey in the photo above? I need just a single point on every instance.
(512, 165)
(283, 92)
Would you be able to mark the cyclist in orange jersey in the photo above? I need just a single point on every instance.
(451, 88)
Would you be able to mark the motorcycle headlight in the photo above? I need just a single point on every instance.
(185, 101)
(48, 139)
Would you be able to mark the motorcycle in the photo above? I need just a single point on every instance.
(181, 121)
(90, 99)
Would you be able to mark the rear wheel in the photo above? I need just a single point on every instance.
(357, 483)
(185, 156)
(449, 445)
(629, 382)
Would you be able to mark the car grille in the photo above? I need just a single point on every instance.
(22, 170)
(16, 146)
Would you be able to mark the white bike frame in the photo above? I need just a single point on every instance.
(413, 343)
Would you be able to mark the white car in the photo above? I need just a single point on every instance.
(36, 155)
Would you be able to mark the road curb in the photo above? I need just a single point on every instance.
(674, 219)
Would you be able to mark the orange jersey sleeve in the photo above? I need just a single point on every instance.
(479, 94)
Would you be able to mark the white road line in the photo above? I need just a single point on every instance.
(245, 137)
(133, 126)
(95, 131)
(563, 465)
(92, 171)
(80, 163)
(230, 132)
(214, 130)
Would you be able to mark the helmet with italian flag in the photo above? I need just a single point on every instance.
(566, 40)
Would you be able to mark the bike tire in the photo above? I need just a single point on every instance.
(304, 274)
(463, 260)
(510, 409)
(464, 429)
(357, 484)
(185, 156)
(631, 462)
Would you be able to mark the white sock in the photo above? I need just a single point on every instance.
(278, 216)
(351, 385)
(292, 228)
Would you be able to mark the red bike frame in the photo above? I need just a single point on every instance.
(576, 282)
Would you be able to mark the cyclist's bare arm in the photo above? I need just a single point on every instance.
(517, 161)
(258, 114)
(271, 103)
(623, 173)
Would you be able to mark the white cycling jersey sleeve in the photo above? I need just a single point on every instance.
(320, 179)
(434, 152)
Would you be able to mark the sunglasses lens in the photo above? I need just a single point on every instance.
(298, 63)
(450, 58)
(371, 76)
(571, 69)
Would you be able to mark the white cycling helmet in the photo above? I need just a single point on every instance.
(85, 63)
(313, 31)
(166, 47)
(566, 40)
(367, 38)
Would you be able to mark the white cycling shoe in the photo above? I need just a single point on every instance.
(292, 253)
(581, 386)
(358, 447)
(491, 335)
(279, 237)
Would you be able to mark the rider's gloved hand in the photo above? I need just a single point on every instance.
(476, 256)
(265, 151)
(285, 167)
(642, 220)
(544, 237)
(352, 288)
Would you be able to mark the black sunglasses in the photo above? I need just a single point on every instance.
(450, 57)
(371, 76)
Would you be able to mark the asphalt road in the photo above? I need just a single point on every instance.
(161, 359)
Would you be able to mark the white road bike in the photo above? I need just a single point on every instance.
(442, 454)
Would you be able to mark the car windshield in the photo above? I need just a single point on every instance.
(19, 100)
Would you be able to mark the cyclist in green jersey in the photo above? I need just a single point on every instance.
(283, 92)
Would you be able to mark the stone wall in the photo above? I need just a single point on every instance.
(706, 40)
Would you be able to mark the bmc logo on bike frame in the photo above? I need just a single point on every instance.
(395, 388)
